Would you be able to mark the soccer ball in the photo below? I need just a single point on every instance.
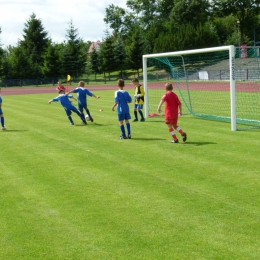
(86, 117)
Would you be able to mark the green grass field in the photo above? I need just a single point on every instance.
(77, 192)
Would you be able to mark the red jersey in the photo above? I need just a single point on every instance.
(172, 103)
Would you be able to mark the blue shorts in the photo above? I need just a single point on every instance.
(1, 111)
(70, 109)
(137, 106)
(122, 117)
(82, 107)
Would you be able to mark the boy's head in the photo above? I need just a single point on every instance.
(121, 83)
(168, 87)
(81, 84)
(61, 91)
(135, 81)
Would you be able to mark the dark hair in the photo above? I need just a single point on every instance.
(61, 90)
(135, 80)
(121, 83)
(168, 86)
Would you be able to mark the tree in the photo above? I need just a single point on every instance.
(51, 64)
(19, 64)
(120, 55)
(34, 44)
(94, 61)
(74, 55)
(245, 11)
(135, 51)
(115, 17)
(1, 57)
(192, 12)
(187, 37)
(107, 55)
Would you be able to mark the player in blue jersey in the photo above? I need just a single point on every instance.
(82, 94)
(68, 106)
(122, 98)
(2, 119)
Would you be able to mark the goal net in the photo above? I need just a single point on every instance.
(219, 83)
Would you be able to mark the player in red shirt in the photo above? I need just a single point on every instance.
(173, 108)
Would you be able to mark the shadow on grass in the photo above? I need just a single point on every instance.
(153, 121)
(148, 139)
(14, 130)
(94, 124)
(198, 143)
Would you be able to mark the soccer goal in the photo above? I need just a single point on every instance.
(220, 83)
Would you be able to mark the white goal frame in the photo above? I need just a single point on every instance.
(230, 48)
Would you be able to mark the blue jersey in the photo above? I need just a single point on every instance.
(82, 94)
(64, 100)
(122, 97)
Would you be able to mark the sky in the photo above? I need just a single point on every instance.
(86, 16)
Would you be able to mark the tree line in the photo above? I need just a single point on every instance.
(145, 26)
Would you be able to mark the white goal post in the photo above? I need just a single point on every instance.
(231, 51)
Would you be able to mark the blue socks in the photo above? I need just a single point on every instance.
(2, 121)
(88, 113)
(71, 121)
(135, 113)
(128, 129)
(122, 130)
(141, 114)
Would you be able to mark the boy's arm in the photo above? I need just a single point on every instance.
(142, 91)
(113, 107)
(180, 109)
(93, 95)
(70, 96)
(160, 105)
(70, 92)
(53, 100)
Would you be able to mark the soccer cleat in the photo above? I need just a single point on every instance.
(91, 119)
(135, 120)
(175, 141)
(142, 120)
(84, 121)
(3, 128)
(122, 137)
(71, 123)
(129, 137)
(184, 137)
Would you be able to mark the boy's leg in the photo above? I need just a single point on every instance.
(121, 118)
(68, 113)
(141, 114)
(135, 113)
(171, 131)
(90, 117)
(3, 123)
(128, 129)
(122, 128)
(183, 134)
(80, 115)
(70, 119)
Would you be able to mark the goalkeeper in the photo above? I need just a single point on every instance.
(139, 100)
